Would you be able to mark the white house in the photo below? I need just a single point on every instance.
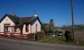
(11, 24)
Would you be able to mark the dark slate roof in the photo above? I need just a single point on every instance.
(21, 20)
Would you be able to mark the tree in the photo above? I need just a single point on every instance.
(51, 26)
(48, 27)
(67, 36)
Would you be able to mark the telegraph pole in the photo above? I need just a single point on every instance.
(72, 17)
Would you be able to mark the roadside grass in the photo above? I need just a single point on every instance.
(51, 39)
(55, 40)
(80, 43)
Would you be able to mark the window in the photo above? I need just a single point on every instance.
(6, 27)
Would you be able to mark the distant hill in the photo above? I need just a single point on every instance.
(76, 27)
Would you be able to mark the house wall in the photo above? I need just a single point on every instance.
(24, 29)
(18, 30)
(6, 20)
(33, 27)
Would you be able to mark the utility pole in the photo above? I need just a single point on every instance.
(72, 18)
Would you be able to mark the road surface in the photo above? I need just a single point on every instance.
(8, 44)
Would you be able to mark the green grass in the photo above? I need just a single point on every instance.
(50, 39)
(56, 40)
(59, 40)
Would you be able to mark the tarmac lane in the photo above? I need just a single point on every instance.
(9, 44)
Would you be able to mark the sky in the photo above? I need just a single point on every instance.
(58, 10)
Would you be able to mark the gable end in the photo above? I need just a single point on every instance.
(5, 17)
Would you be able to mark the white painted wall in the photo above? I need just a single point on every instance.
(24, 29)
(33, 27)
(18, 30)
(6, 20)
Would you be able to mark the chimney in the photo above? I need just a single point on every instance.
(35, 15)
(13, 14)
